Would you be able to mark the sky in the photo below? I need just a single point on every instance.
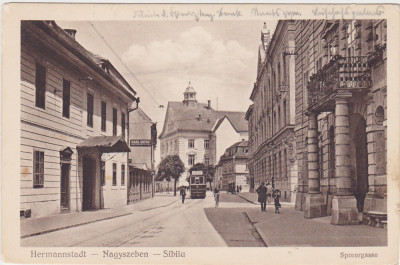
(219, 58)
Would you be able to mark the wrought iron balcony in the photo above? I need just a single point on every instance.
(350, 73)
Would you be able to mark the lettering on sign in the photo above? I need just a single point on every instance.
(140, 142)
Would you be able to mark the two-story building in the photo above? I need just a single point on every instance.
(271, 117)
(341, 114)
(74, 106)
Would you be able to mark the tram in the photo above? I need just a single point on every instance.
(197, 184)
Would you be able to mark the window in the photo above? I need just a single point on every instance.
(351, 32)
(206, 144)
(191, 143)
(114, 121)
(123, 124)
(114, 174)
(103, 116)
(103, 173)
(66, 97)
(379, 115)
(191, 160)
(207, 161)
(40, 84)
(90, 110)
(284, 112)
(38, 169)
(122, 175)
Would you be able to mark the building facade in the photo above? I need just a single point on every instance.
(225, 134)
(188, 130)
(341, 111)
(142, 142)
(271, 117)
(74, 106)
(233, 166)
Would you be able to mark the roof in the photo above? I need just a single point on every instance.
(92, 60)
(106, 144)
(237, 119)
(235, 151)
(198, 117)
(189, 89)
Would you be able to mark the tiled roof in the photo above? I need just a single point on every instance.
(234, 151)
(198, 117)
(95, 61)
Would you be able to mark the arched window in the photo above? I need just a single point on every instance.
(379, 115)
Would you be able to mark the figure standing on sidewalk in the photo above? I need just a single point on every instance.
(277, 195)
(237, 188)
(183, 194)
(262, 196)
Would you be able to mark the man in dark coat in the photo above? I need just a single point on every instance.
(183, 194)
(262, 196)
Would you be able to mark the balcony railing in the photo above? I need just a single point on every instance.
(340, 73)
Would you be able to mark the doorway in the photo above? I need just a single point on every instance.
(65, 194)
(361, 162)
(88, 184)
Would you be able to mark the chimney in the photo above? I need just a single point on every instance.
(209, 104)
(71, 32)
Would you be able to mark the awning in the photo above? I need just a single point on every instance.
(106, 144)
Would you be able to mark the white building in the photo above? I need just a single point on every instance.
(191, 130)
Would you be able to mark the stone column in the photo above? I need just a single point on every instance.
(344, 204)
(315, 204)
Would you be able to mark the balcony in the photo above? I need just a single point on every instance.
(344, 73)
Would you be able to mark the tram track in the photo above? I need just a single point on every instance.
(126, 235)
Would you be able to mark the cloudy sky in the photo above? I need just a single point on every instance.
(219, 59)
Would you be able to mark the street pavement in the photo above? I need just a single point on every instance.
(165, 222)
(173, 225)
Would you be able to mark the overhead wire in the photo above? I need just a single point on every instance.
(126, 67)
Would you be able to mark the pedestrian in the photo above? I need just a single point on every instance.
(277, 195)
(183, 194)
(240, 188)
(237, 188)
(262, 196)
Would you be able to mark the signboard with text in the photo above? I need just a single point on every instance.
(140, 142)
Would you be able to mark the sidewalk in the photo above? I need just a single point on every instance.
(290, 228)
(253, 198)
(41, 225)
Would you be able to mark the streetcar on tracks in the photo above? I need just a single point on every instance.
(197, 183)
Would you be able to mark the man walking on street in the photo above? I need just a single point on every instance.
(183, 194)
(262, 196)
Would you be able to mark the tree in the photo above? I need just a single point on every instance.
(170, 167)
(208, 171)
